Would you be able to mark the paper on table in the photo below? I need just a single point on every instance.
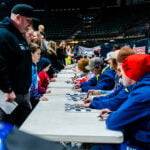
(7, 107)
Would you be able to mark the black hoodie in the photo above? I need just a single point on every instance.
(15, 59)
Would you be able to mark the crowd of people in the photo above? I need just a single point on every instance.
(120, 87)
(120, 82)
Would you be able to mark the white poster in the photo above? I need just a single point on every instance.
(140, 50)
(85, 51)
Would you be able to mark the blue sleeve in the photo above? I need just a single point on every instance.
(106, 81)
(111, 103)
(115, 92)
(85, 85)
(106, 91)
(112, 94)
(136, 107)
(34, 93)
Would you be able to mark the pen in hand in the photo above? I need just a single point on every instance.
(87, 96)
(104, 114)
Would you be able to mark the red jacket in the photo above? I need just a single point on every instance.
(43, 82)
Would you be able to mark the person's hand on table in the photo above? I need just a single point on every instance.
(78, 90)
(43, 98)
(48, 91)
(82, 104)
(87, 100)
(93, 92)
(73, 78)
(85, 103)
(77, 86)
(52, 80)
(104, 113)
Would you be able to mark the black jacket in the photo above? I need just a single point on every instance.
(15, 59)
(61, 55)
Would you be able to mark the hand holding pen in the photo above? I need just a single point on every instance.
(104, 113)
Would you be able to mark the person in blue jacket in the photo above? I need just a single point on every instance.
(111, 60)
(104, 80)
(111, 101)
(133, 116)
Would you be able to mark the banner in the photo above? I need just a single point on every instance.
(140, 50)
(85, 51)
(141, 46)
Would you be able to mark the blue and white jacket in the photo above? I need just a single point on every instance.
(111, 101)
(133, 116)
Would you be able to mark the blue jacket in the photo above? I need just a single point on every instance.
(133, 116)
(111, 101)
(92, 82)
(105, 81)
(118, 85)
(34, 93)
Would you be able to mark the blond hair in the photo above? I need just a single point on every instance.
(82, 63)
(51, 47)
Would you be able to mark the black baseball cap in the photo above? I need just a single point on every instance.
(24, 10)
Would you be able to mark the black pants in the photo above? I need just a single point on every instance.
(2, 115)
(34, 102)
(24, 108)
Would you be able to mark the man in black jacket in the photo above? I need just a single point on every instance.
(15, 61)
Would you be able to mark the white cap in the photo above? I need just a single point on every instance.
(111, 55)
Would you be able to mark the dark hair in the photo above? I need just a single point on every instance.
(116, 47)
(34, 47)
(99, 64)
(43, 63)
(96, 53)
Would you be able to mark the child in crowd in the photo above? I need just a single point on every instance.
(44, 79)
(112, 63)
(103, 79)
(35, 96)
(95, 66)
(120, 93)
(83, 73)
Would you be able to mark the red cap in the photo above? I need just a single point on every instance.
(136, 66)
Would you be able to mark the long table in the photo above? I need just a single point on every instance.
(63, 75)
(59, 91)
(49, 120)
(60, 84)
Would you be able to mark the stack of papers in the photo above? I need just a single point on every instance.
(7, 107)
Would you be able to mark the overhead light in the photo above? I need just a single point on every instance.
(74, 42)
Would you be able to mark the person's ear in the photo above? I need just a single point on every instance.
(18, 17)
